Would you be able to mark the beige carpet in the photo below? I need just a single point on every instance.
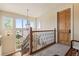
(56, 49)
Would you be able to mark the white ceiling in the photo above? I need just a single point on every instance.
(35, 9)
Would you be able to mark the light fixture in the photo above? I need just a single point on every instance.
(27, 17)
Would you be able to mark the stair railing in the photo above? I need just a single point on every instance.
(38, 40)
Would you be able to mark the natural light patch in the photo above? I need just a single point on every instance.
(7, 22)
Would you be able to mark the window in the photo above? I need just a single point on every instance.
(38, 25)
(24, 23)
(21, 23)
(7, 22)
(18, 23)
(33, 23)
(21, 32)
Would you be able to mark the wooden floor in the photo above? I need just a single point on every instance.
(72, 52)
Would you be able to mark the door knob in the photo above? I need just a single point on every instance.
(69, 31)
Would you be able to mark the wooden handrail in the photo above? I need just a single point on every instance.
(72, 42)
(55, 35)
(75, 40)
(42, 30)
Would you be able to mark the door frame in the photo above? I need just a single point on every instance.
(58, 24)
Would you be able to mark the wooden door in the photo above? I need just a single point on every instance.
(64, 26)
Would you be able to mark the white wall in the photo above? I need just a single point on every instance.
(0, 38)
(76, 21)
(49, 19)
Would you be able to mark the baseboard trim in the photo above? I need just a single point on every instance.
(13, 53)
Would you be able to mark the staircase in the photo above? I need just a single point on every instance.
(25, 45)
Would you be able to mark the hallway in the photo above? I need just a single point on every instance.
(31, 27)
(56, 49)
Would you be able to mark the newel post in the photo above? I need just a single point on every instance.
(30, 43)
(55, 35)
